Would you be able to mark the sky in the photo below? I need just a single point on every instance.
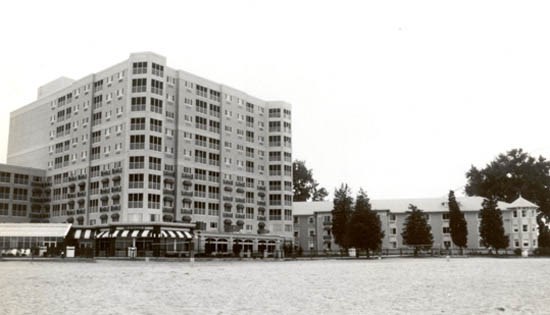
(400, 98)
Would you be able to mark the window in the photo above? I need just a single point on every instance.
(156, 105)
(155, 125)
(135, 200)
(274, 112)
(213, 209)
(139, 85)
(156, 86)
(154, 163)
(153, 201)
(446, 230)
(136, 124)
(275, 214)
(525, 228)
(201, 106)
(201, 90)
(137, 162)
(445, 216)
(201, 123)
(5, 177)
(21, 179)
(158, 70)
(154, 181)
(155, 143)
(137, 142)
(135, 181)
(139, 67)
(19, 210)
(138, 104)
(4, 208)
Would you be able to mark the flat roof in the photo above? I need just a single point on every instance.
(34, 229)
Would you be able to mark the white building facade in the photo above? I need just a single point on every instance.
(141, 142)
(313, 223)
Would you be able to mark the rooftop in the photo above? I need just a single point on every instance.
(402, 205)
(34, 229)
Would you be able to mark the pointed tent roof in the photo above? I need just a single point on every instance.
(522, 203)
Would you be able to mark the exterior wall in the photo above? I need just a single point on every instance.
(29, 135)
(220, 173)
(23, 195)
(521, 229)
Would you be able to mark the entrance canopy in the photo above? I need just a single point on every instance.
(34, 229)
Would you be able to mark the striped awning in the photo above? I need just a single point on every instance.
(175, 234)
(84, 234)
(102, 234)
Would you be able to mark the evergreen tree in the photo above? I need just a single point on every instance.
(365, 226)
(341, 215)
(491, 229)
(417, 232)
(457, 223)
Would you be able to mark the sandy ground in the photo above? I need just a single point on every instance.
(388, 286)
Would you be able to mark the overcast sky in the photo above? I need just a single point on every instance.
(397, 97)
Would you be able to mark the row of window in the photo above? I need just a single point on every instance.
(17, 210)
(5, 177)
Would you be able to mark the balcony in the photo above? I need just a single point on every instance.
(261, 188)
(115, 208)
(117, 170)
(261, 218)
(239, 184)
(167, 191)
(227, 182)
(168, 209)
(81, 194)
(81, 211)
(187, 211)
(169, 173)
(327, 237)
(261, 203)
(105, 190)
(116, 189)
(327, 222)
(104, 209)
(239, 216)
(227, 215)
(187, 193)
(240, 200)
(82, 176)
(187, 176)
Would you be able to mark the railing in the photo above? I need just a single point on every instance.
(116, 189)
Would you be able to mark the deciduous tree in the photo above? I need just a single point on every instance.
(305, 187)
(417, 232)
(511, 175)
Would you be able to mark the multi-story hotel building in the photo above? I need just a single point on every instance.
(313, 222)
(141, 142)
